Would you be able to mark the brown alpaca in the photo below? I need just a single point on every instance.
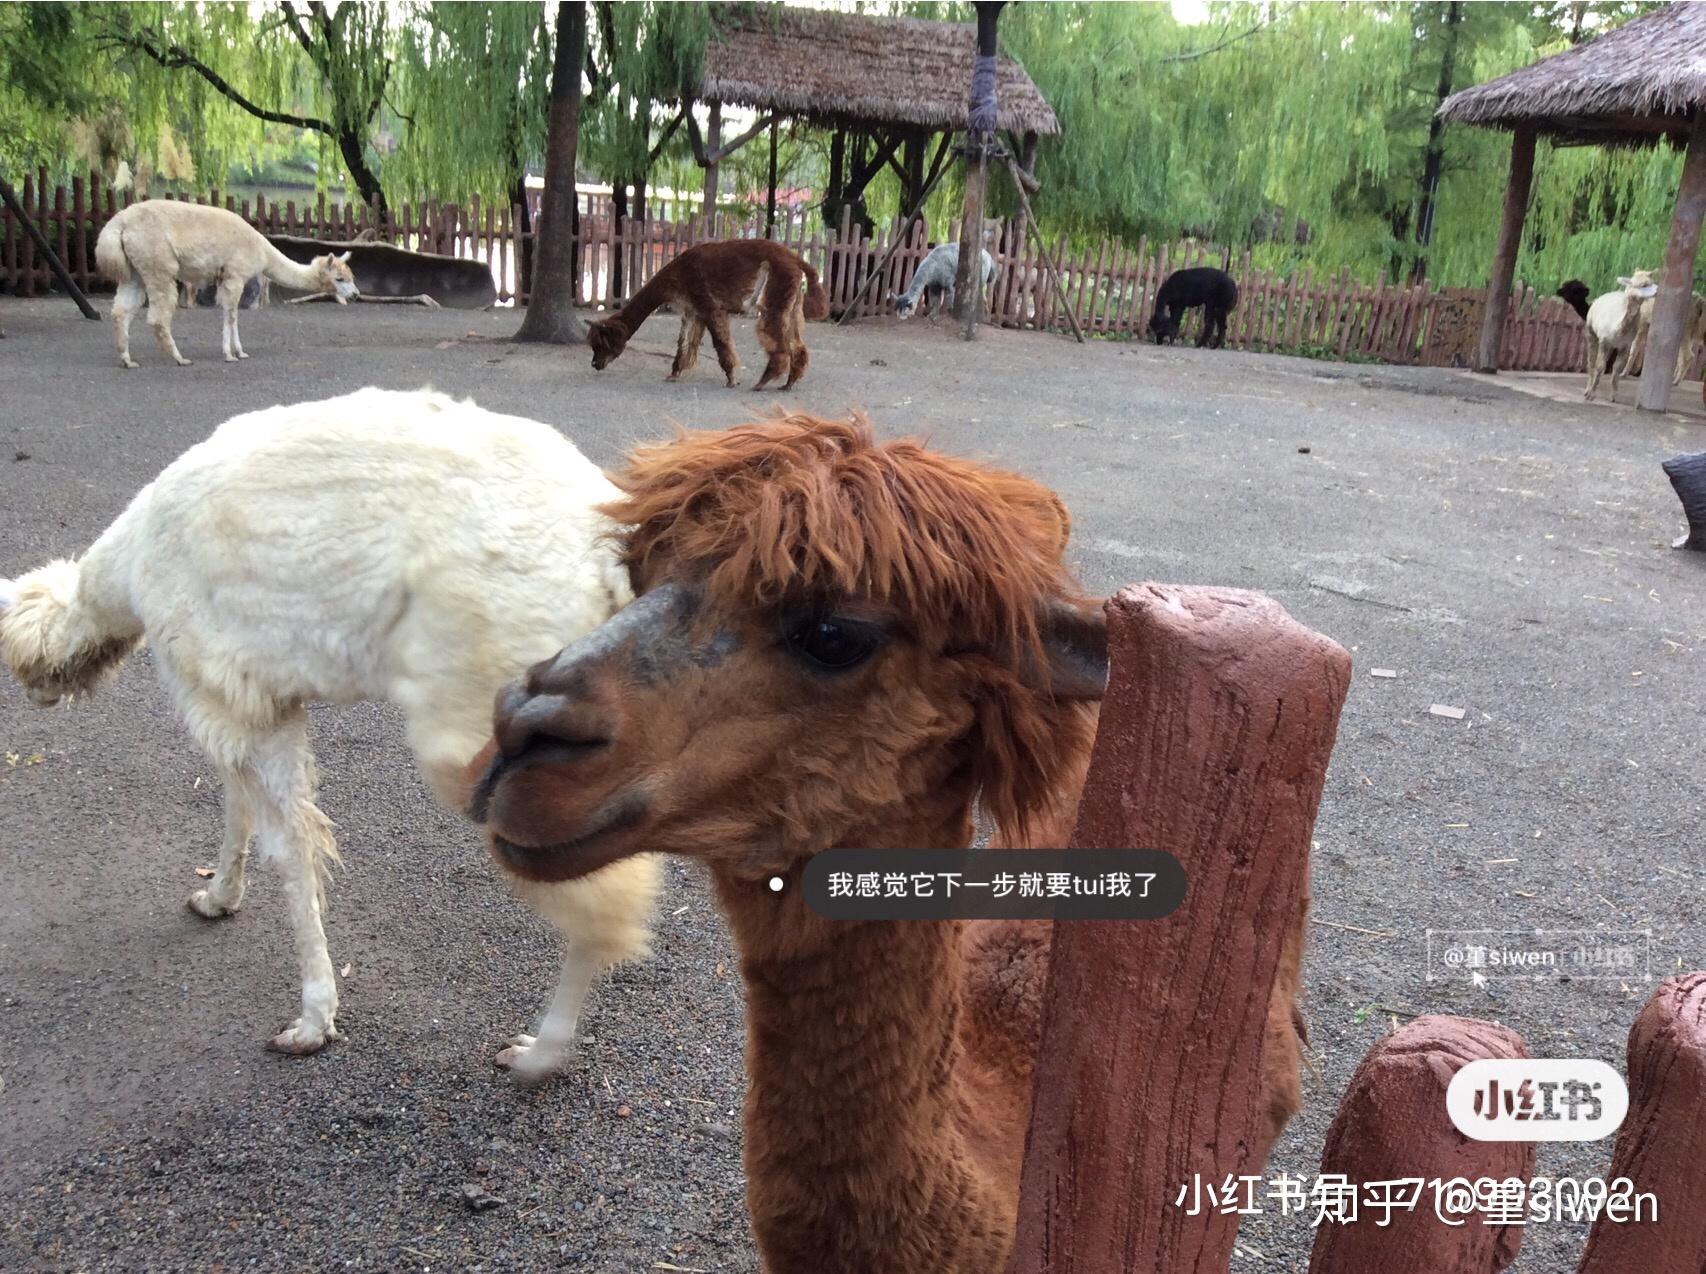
(837, 642)
(709, 282)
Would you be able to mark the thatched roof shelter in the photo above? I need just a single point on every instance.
(1637, 85)
(884, 85)
(859, 69)
(1641, 82)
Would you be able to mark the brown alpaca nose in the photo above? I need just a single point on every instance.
(552, 727)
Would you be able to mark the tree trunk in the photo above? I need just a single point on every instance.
(713, 139)
(1436, 142)
(351, 147)
(551, 313)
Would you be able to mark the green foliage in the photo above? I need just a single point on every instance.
(1300, 131)
(471, 80)
(647, 55)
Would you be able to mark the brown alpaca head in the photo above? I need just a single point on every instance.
(608, 339)
(335, 277)
(834, 638)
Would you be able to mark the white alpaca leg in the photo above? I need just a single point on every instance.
(293, 833)
(604, 919)
(162, 305)
(129, 297)
(230, 301)
(532, 1059)
(224, 894)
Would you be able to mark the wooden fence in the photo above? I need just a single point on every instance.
(1109, 287)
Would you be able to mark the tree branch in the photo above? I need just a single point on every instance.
(302, 36)
(1218, 45)
(663, 139)
(174, 57)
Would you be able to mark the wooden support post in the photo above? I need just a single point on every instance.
(1504, 255)
(1392, 1125)
(1670, 307)
(1157, 1062)
(913, 166)
(832, 198)
(968, 283)
(1663, 1139)
(1027, 163)
(980, 132)
(40, 240)
(1042, 251)
(770, 202)
(713, 139)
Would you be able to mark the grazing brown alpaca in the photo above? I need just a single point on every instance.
(838, 642)
(709, 282)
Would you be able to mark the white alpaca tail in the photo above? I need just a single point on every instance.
(109, 253)
(65, 628)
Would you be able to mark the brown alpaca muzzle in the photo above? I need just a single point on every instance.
(559, 794)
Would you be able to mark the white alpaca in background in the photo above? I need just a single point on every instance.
(1693, 332)
(395, 546)
(1613, 322)
(150, 247)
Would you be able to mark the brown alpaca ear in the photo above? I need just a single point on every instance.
(1075, 642)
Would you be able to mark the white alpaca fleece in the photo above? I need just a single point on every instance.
(383, 545)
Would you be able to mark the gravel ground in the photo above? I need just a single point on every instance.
(1502, 553)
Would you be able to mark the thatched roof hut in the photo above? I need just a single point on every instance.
(859, 70)
(1639, 84)
(884, 85)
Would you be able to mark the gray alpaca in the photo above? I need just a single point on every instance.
(936, 274)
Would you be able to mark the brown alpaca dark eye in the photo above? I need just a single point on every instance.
(833, 643)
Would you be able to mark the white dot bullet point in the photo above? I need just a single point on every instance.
(776, 884)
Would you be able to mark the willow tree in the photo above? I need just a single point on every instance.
(470, 90)
(643, 58)
(1306, 133)
(265, 62)
(470, 87)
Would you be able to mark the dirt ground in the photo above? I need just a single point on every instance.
(1503, 553)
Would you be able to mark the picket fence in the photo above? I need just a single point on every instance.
(1108, 288)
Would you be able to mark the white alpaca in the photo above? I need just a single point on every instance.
(150, 247)
(1613, 322)
(1693, 332)
(396, 546)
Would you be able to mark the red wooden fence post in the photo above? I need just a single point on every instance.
(1392, 1125)
(1213, 745)
(1662, 1143)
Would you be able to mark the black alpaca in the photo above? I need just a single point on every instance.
(1184, 290)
